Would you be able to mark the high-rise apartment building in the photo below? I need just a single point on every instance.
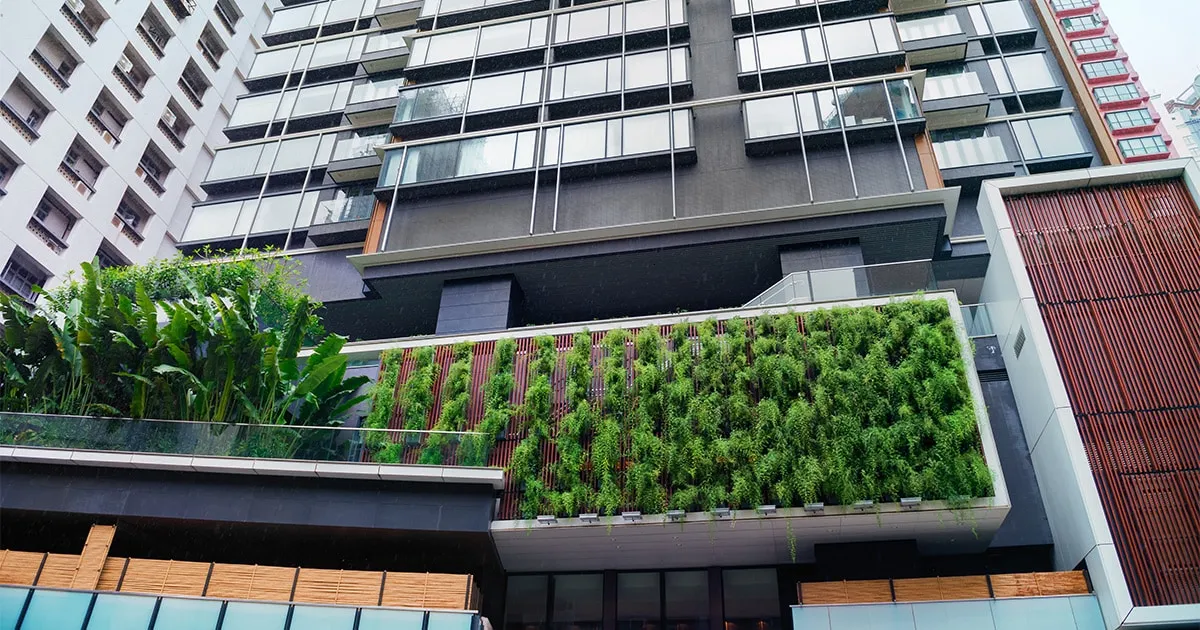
(108, 109)
(1116, 105)
(1185, 111)
(588, 250)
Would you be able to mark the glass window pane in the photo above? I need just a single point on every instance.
(322, 618)
(815, 40)
(526, 141)
(751, 599)
(646, 69)
(11, 601)
(580, 79)
(187, 615)
(780, 50)
(686, 594)
(237, 162)
(551, 139)
(315, 100)
(644, 15)
(646, 134)
(1000, 76)
(638, 601)
(827, 110)
(275, 214)
(904, 100)
(254, 616)
(341, 10)
(747, 62)
(584, 142)
(850, 39)
(864, 104)
(578, 602)
(1031, 72)
(978, 21)
(432, 102)
(496, 92)
(272, 62)
(121, 612)
(683, 129)
(479, 156)
(450, 46)
(308, 205)
(330, 51)
(450, 621)
(212, 221)
(253, 109)
(1048, 137)
(296, 153)
(1007, 16)
(581, 25)
(59, 610)
(376, 619)
(775, 116)
(504, 37)
(885, 36)
(525, 602)
(267, 158)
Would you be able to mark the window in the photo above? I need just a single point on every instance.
(19, 277)
(228, 14)
(52, 222)
(865, 104)
(489, 40)
(751, 599)
(85, 16)
(1102, 69)
(1136, 147)
(254, 616)
(1081, 23)
(1067, 5)
(928, 28)
(578, 602)
(1029, 72)
(1093, 45)
(1129, 119)
(211, 47)
(108, 117)
(106, 257)
(433, 101)
(132, 213)
(298, 17)
(154, 31)
(271, 62)
(639, 601)
(605, 21)
(132, 72)
(506, 90)
(23, 109)
(780, 50)
(600, 76)
(81, 167)
(967, 146)
(1050, 137)
(54, 59)
(193, 83)
(860, 39)
(174, 124)
(525, 602)
(354, 203)
(1117, 93)
(1003, 17)
(153, 168)
(686, 595)
(634, 135)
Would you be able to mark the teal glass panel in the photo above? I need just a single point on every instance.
(875, 617)
(954, 615)
(810, 618)
(1087, 613)
(121, 612)
(252, 616)
(322, 618)
(450, 621)
(56, 610)
(378, 619)
(1035, 613)
(11, 602)
(187, 614)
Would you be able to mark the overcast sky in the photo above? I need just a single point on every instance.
(1162, 38)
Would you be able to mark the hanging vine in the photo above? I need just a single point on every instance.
(526, 465)
(614, 411)
(456, 397)
(497, 409)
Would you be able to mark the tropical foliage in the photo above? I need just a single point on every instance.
(834, 405)
(94, 350)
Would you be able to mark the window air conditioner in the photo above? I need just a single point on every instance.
(82, 188)
(168, 118)
(76, 5)
(125, 64)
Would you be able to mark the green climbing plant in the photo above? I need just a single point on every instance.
(456, 397)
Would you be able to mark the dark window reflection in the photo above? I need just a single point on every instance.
(686, 600)
(578, 602)
(751, 599)
(639, 605)
(525, 605)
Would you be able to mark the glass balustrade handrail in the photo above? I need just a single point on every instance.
(271, 441)
(951, 86)
(848, 283)
(358, 147)
(978, 319)
(372, 91)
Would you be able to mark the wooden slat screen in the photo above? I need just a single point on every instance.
(59, 570)
(110, 575)
(95, 552)
(19, 567)
(248, 581)
(165, 577)
(328, 586)
(943, 588)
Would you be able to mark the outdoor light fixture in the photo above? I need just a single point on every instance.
(589, 518)
(910, 503)
(765, 510)
(676, 515)
(721, 512)
(814, 508)
(863, 506)
(631, 516)
(547, 519)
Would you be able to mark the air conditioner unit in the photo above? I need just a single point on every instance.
(168, 118)
(190, 5)
(126, 214)
(76, 5)
(82, 188)
(107, 137)
(125, 64)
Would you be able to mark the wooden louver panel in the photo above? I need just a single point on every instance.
(248, 581)
(19, 567)
(59, 570)
(328, 586)
(92, 560)
(110, 575)
(165, 577)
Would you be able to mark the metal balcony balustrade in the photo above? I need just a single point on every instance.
(230, 440)
(848, 283)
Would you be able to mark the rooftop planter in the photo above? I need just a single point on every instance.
(819, 425)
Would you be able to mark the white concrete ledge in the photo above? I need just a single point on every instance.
(493, 477)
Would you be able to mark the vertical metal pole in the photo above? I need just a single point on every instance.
(899, 139)
(837, 102)
(540, 137)
(670, 112)
(387, 225)
(558, 160)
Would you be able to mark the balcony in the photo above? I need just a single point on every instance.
(972, 159)
(81, 185)
(128, 83)
(172, 137)
(15, 119)
(763, 15)
(193, 95)
(147, 175)
(128, 231)
(181, 9)
(955, 100)
(246, 449)
(933, 40)
(849, 283)
(397, 13)
(108, 134)
(385, 51)
(372, 102)
(355, 158)
(57, 78)
(86, 31)
(460, 13)
(844, 50)
(47, 236)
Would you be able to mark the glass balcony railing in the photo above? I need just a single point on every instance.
(928, 28)
(375, 90)
(970, 152)
(24, 608)
(952, 86)
(978, 320)
(385, 41)
(351, 148)
(257, 441)
(849, 283)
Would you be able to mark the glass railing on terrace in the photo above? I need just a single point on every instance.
(254, 441)
(743, 7)
(970, 152)
(952, 85)
(435, 7)
(978, 320)
(350, 148)
(375, 90)
(928, 28)
(849, 283)
(24, 608)
(344, 208)
(385, 41)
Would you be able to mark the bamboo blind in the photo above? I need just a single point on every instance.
(327, 586)
(165, 577)
(110, 575)
(19, 567)
(943, 589)
(246, 581)
(94, 556)
(58, 570)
